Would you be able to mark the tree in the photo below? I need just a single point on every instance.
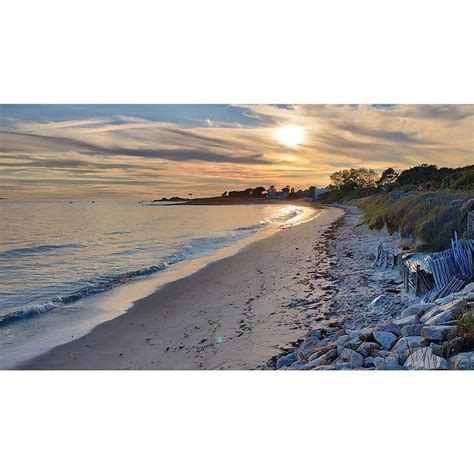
(258, 191)
(354, 178)
(389, 176)
(271, 189)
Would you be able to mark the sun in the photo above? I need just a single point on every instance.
(290, 135)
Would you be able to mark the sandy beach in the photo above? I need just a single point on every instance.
(236, 313)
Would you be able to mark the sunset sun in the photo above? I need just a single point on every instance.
(290, 135)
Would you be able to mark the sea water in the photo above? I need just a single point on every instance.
(56, 257)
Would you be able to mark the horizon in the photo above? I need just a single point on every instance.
(116, 152)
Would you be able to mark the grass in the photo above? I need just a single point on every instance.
(465, 327)
(428, 218)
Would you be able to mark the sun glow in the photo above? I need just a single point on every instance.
(290, 135)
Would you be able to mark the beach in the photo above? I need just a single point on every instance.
(236, 313)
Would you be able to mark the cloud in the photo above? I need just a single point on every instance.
(136, 151)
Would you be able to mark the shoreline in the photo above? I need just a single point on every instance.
(216, 317)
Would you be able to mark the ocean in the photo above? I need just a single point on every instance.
(57, 253)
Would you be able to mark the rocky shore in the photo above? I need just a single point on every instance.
(367, 327)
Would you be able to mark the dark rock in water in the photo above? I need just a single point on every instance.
(286, 360)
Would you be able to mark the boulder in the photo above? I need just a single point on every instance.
(341, 340)
(430, 313)
(412, 330)
(371, 256)
(387, 363)
(416, 309)
(436, 333)
(452, 347)
(469, 297)
(352, 343)
(424, 359)
(325, 359)
(462, 361)
(407, 320)
(369, 362)
(368, 348)
(315, 334)
(379, 301)
(442, 317)
(408, 343)
(340, 365)
(469, 288)
(321, 351)
(287, 360)
(354, 358)
(450, 298)
(385, 339)
(389, 327)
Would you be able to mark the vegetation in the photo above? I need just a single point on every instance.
(464, 330)
(424, 203)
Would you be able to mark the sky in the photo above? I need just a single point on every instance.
(154, 151)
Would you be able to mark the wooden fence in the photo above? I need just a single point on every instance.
(436, 276)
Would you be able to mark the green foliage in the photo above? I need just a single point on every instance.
(465, 327)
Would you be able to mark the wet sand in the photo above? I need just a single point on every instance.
(236, 313)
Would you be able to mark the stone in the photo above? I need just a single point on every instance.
(325, 359)
(368, 348)
(379, 301)
(315, 334)
(452, 347)
(469, 297)
(412, 330)
(352, 343)
(369, 362)
(287, 360)
(308, 347)
(436, 333)
(424, 359)
(462, 361)
(416, 309)
(354, 358)
(442, 317)
(407, 320)
(340, 341)
(385, 339)
(389, 327)
(449, 299)
(387, 363)
(437, 349)
(430, 313)
(340, 365)
(371, 256)
(408, 343)
(469, 288)
(321, 351)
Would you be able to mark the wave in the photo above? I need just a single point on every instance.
(30, 251)
(196, 247)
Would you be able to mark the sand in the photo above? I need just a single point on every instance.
(236, 313)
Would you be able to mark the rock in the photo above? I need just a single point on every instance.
(321, 351)
(308, 347)
(469, 297)
(381, 353)
(430, 313)
(287, 360)
(424, 359)
(353, 357)
(379, 301)
(437, 333)
(325, 359)
(324, 367)
(368, 348)
(452, 347)
(437, 349)
(463, 361)
(412, 330)
(340, 365)
(385, 339)
(447, 299)
(416, 309)
(389, 327)
(407, 320)
(315, 334)
(369, 362)
(408, 343)
(352, 343)
(469, 288)
(387, 363)
(442, 317)
(371, 256)
(340, 341)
